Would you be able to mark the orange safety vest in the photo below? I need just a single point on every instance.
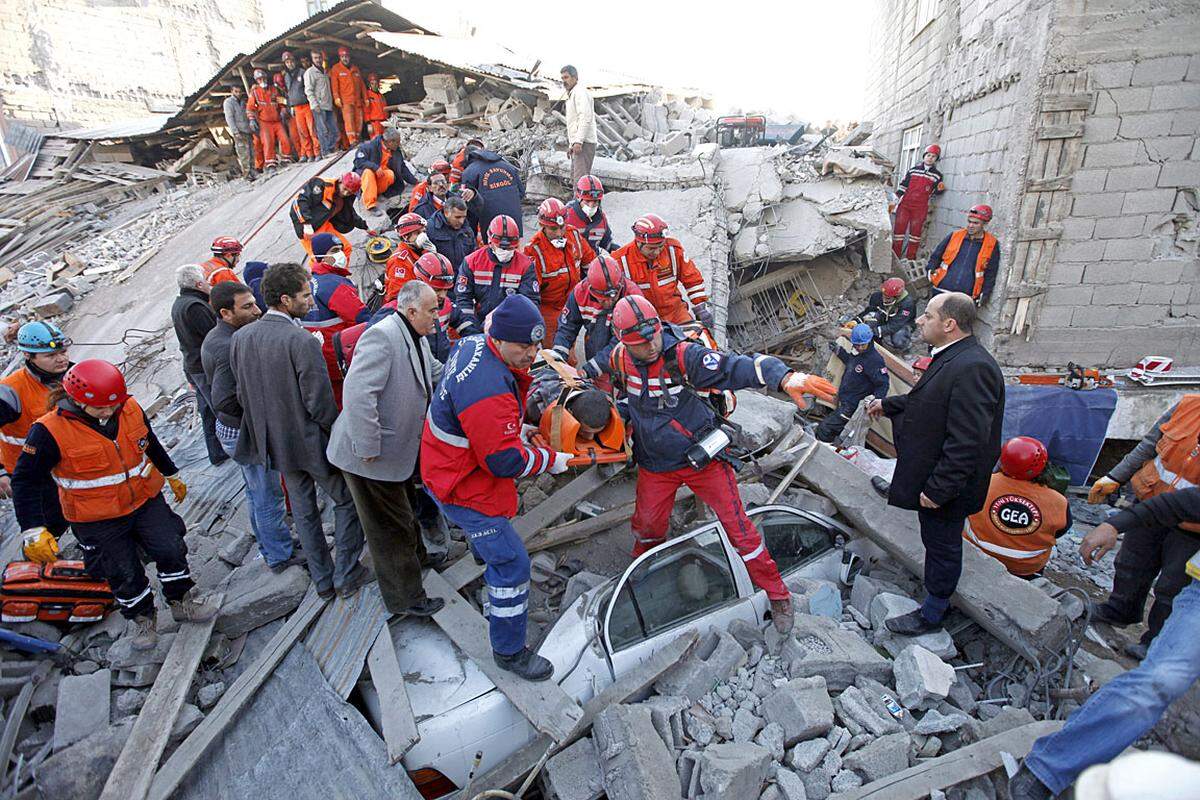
(34, 397)
(951, 252)
(1018, 524)
(1176, 464)
(217, 270)
(399, 270)
(558, 270)
(99, 478)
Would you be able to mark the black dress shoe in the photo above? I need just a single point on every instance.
(291, 561)
(1025, 786)
(912, 624)
(425, 607)
(880, 485)
(525, 664)
(1102, 613)
(434, 561)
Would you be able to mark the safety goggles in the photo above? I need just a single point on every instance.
(645, 329)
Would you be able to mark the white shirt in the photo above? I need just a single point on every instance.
(933, 351)
(581, 116)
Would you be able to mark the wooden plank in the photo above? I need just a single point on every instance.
(1056, 184)
(544, 704)
(916, 783)
(1051, 231)
(234, 700)
(16, 715)
(340, 640)
(131, 775)
(1081, 101)
(399, 725)
(1069, 131)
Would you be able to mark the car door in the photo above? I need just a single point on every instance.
(799, 540)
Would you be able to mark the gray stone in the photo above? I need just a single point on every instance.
(819, 646)
(771, 737)
(747, 633)
(853, 704)
(143, 675)
(845, 780)
(938, 642)
(807, 755)
(732, 771)
(839, 739)
(635, 761)
(700, 727)
(877, 696)
(931, 747)
(128, 702)
(745, 725)
(922, 679)
(85, 667)
(208, 695)
(887, 606)
(54, 304)
(725, 723)
(816, 783)
(771, 793)
(717, 656)
(1005, 719)
(237, 545)
(936, 722)
(790, 785)
(80, 771)
(574, 773)
(858, 741)
(82, 707)
(256, 595)
(667, 714)
(189, 717)
(579, 583)
(885, 756)
(122, 655)
(802, 708)
(963, 694)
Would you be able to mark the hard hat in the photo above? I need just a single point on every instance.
(552, 211)
(922, 363)
(226, 244)
(351, 181)
(41, 337)
(935, 149)
(861, 334)
(1023, 458)
(983, 212)
(288, 54)
(379, 249)
(436, 270)
(441, 165)
(635, 320)
(605, 280)
(279, 80)
(410, 223)
(502, 230)
(94, 382)
(259, 73)
(892, 287)
(343, 51)
(650, 229)
(589, 187)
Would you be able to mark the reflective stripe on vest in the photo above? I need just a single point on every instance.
(12, 440)
(1176, 464)
(981, 261)
(1018, 523)
(1009, 552)
(142, 470)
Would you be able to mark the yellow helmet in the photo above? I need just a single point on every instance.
(379, 249)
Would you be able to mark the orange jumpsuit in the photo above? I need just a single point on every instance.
(557, 273)
(375, 113)
(660, 281)
(217, 270)
(263, 104)
(399, 269)
(350, 95)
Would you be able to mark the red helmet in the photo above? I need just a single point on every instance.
(983, 212)
(441, 165)
(589, 187)
(351, 181)
(922, 363)
(436, 270)
(502, 230)
(892, 287)
(552, 211)
(635, 320)
(650, 229)
(410, 223)
(343, 51)
(1023, 458)
(288, 54)
(605, 280)
(935, 149)
(226, 244)
(279, 80)
(93, 382)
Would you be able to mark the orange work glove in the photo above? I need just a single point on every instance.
(178, 488)
(1102, 489)
(798, 385)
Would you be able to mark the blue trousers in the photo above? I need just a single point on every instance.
(267, 509)
(327, 129)
(942, 537)
(1128, 705)
(507, 574)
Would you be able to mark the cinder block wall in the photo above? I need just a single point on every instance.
(87, 62)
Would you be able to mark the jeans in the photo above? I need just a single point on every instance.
(208, 417)
(326, 572)
(327, 129)
(1128, 705)
(942, 537)
(267, 509)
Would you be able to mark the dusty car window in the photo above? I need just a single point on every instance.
(792, 539)
(671, 587)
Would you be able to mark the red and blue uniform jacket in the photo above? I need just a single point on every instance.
(595, 229)
(337, 305)
(583, 312)
(919, 184)
(471, 447)
(665, 405)
(483, 282)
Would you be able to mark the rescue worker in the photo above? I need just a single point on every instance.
(226, 251)
(435, 269)
(381, 166)
(439, 167)
(471, 455)
(336, 304)
(238, 123)
(1021, 518)
(449, 232)
(492, 273)
(285, 116)
(349, 95)
(589, 307)
(459, 162)
(497, 184)
(98, 447)
(560, 257)
(1167, 459)
(399, 269)
(325, 205)
(891, 313)
(375, 112)
(437, 190)
(24, 397)
(585, 214)
(319, 92)
(966, 261)
(865, 375)
(263, 108)
(918, 185)
(657, 264)
(663, 378)
(303, 125)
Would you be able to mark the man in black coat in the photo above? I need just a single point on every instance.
(947, 435)
(193, 318)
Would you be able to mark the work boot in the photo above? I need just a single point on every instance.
(358, 578)
(1102, 612)
(525, 664)
(912, 624)
(782, 615)
(191, 611)
(434, 561)
(1025, 786)
(425, 607)
(145, 636)
(293, 560)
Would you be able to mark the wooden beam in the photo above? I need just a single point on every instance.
(1056, 184)
(544, 704)
(399, 725)
(1081, 101)
(131, 775)
(1069, 131)
(1051, 231)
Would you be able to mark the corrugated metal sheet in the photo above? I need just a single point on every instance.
(123, 129)
(341, 638)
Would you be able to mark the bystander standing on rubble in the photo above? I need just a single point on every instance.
(947, 434)
(320, 99)
(560, 257)
(376, 440)
(303, 125)
(585, 214)
(240, 129)
(892, 314)
(865, 376)
(193, 318)
(384, 173)
(236, 308)
(497, 183)
(967, 260)
(449, 232)
(492, 273)
(658, 265)
(917, 186)
(581, 124)
(288, 410)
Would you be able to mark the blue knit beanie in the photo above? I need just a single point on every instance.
(517, 320)
(321, 243)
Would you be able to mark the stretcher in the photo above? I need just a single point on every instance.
(60, 591)
(558, 429)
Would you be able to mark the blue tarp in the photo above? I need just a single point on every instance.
(1072, 424)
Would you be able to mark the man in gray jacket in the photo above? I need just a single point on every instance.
(320, 99)
(240, 129)
(376, 440)
(287, 412)
(304, 127)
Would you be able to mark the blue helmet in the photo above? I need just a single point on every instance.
(41, 337)
(861, 334)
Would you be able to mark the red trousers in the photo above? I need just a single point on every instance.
(305, 130)
(906, 235)
(270, 133)
(258, 156)
(716, 487)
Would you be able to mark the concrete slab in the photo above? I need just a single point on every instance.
(82, 708)
(819, 646)
(801, 707)
(733, 771)
(636, 762)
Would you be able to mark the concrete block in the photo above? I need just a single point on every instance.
(1075, 230)
(1143, 176)
(1155, 294)
(807, 755)
(635, 762)
(716, 657)
(1096, 205)
(1178, 96)
(819, 646)
(128, 702)
(1179, 173)
(882, 699)
(1154, 123)
(863, 592)
(209, 694)
(1081, 251)
(666, 712)
(82, 708)
(936, 722)
(1115, 74)
(122, 655)
(885, 756)
(1115, 294)
(816, 783)
(845, 781)
(1069, 295)
(887, 606)
(1150, 201)
(1087, 181)
(1185, 122)
(852, 704)
(1065, 274)
(1112, 154)
(674, 144)
(801, 707)
(81, 770)
(189, 717)
(237, 544)
(771, 738)
(137, 677)
(574, 773)
(1156, 71)
(1109, 273)
(922, 679)
(1123, 227)
(54, 304)
(745, 725)
(1128, 249)
(1100, 129)
(1169, 148)
(256, 595)
(733, 771)
(1055, 316)
(440, 87)
(1130, 100)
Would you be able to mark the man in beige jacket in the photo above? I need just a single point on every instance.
(581, 124)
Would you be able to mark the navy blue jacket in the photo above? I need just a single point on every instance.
(899, 315)
(455, 245)
(865, 374)
(497, 184)
(960, 276)
(370, 153)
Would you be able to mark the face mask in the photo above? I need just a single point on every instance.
(559, 243)
(502, 255)
(337, 259)
(423, 241)
(590, 208)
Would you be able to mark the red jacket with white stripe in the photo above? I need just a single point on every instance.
(483, 282)
(558, 270)
(660, 281)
